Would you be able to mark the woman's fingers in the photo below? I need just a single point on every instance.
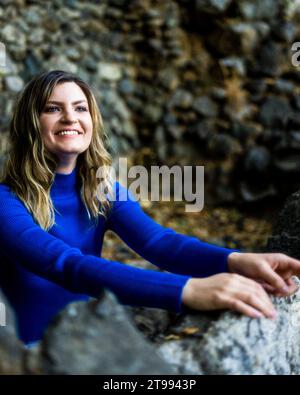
(223, 291)
(255, 296)
(292, 287)
(244, 308)
(268, 275)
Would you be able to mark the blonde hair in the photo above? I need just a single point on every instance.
(29, 170)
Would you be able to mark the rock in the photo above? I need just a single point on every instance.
(153, 323)
(10, 67)
(270, 59)
(36, 36)
(60, 62)
(275, 111)
(14, 83)
(218, 93)
(212, 6)
(222, 145)
(257, 163)
(285, 234)
(282, 86)
(161, 145)
(296, 101)
(234, 38)
(109, 71)
(244, 131)
(293, 139)
(11, 349)
(285, 31)
(258, 9)
(180, 99)
(101, 340)
(205, 106)
(234, 65)
(11, 34)
(256, 191)
(287, 159)
(126, 87)
(205, 129)
(32, 16)
(228, 343)
(152, 113)
(293, 120)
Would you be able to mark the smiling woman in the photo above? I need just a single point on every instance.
(52, 224)
(66, 125)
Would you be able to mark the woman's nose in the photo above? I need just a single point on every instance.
(69, 116)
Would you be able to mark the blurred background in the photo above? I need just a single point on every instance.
(188, 82)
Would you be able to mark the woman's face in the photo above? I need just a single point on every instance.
(65, 123)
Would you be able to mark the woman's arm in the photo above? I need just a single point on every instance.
(162, 246)
(26, 243)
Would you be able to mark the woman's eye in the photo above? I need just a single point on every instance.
(51, 109)
(81, 108)
(54, 108)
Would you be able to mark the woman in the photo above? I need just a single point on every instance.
(52, 225)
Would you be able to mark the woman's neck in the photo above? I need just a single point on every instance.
(65, 168)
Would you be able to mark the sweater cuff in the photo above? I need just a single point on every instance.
(226, 255)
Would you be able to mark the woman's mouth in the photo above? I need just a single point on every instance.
(68, 133)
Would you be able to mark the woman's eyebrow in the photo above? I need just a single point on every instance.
(59, 102)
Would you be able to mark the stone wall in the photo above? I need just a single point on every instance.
(178, 81)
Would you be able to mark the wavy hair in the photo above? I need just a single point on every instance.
(29, 169)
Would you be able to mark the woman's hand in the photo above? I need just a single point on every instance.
(228, 291)
(273, 271)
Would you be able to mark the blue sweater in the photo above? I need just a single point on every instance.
(41, 272)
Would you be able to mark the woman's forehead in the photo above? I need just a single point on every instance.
(67, 91)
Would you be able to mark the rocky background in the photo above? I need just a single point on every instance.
(206, 82)
(191, 82)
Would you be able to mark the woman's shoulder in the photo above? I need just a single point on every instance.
(7, 194)
(5, 189)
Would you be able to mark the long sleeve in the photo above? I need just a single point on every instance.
(45, 255)
(162, 246)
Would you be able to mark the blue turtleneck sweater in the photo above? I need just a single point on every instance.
(41, 272)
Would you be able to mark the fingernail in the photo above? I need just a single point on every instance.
(273, 314)
(285, 288)
(258, 315)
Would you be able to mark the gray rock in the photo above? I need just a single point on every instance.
(109, 71)
(228, 343)
(257, 162)
(235, 65)
(275, 111)
(11, 349)
(161, 144)
(100, 340)
(256, 190)
(258, 9)
(222, 145)
(284, 87)
(212, 6)
(14, 83)
(286, 31)
(205, 106)
(126, 87)
(285, 235)
(270, 59)
(180, 99)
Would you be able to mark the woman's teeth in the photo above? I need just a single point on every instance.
(67, 132)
